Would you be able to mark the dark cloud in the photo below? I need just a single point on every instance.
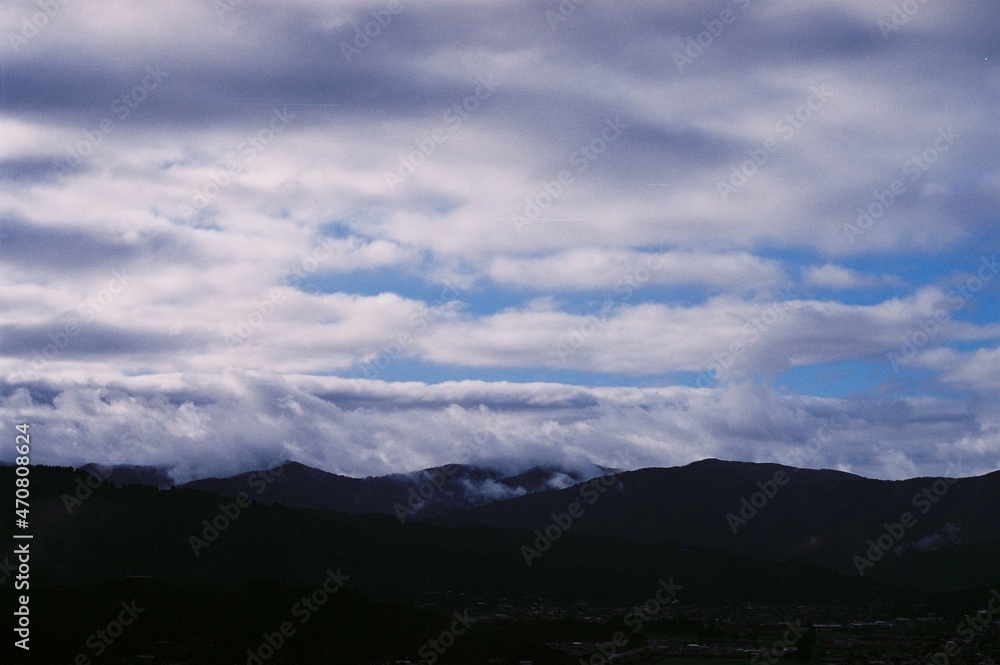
(808, 35)
(39, 392)
(62, 248)
(74, 338)
(514, 403)
(75, 248)
(28, 170)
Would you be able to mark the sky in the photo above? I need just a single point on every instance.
(380, 236)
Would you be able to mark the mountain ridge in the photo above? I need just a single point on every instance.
(766, 510)
(425, 492)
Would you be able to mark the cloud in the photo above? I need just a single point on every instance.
(255, 420)
(37, 248)
(664, 167)
(974, 370)
(490, 490)
(82, 339)
(602, 214)
(949, 534)
(625, 271)
(724, 333)
(832, 276)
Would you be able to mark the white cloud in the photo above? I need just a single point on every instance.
(976, 370)
(833, 276)
(625, 271)
(313, 201)
(362, 427)
(725, 334)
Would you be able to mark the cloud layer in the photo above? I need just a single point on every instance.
(630, 235)
(211, 425)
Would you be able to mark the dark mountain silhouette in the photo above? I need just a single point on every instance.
(194, 537)
(131, 474)
(422, 493)
(820, 516)
(765, 511)
(217, 574)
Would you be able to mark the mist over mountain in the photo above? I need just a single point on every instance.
(934, 534)
(184, 535)
(132, 474)
(771, 511)
(766, 511)
(422, 493)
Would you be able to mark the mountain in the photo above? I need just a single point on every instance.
(420, 494)
(194, 537)
(923, 533)
(217, 574)
(771, 511)
(131, 474)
